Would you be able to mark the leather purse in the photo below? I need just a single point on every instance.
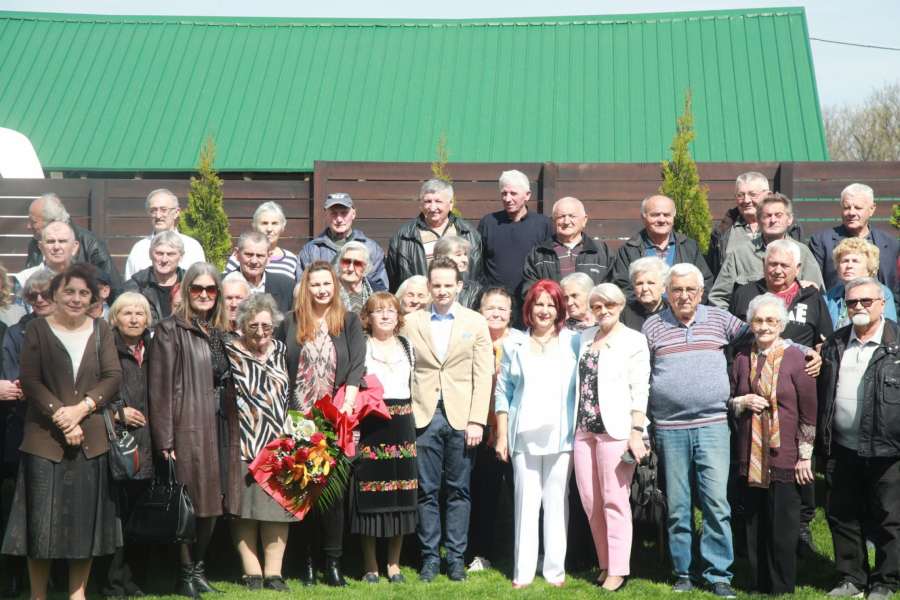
(164, 514)
(124, 454)
(648, 503)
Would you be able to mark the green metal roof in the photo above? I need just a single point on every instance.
(138, 93)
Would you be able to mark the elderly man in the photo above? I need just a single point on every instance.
(775, 214)
(91, 249)
(568, 251)
(252, 253)
(339, 214)
(658, 239)
(155, 283)
(411, 249)
(162, 208)
(858, 432)
(58, 248)
(739, 225)
(507, 236)
(857, 207)
(235, 289)
(689, 390)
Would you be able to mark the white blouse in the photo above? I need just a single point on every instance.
(75, 343)
(392, 370)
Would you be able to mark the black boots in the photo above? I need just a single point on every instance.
(185, 585)
(333, 576)
(200, 580)
(308, 571)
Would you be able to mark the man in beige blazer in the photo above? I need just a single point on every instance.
(450, 397)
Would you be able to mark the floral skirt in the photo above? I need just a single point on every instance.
(384, 497)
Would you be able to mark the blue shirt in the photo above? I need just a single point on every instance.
(441, 326)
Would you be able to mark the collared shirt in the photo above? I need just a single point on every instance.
(851, 387)
(441, 326)
(651, 249)
(745, 227)
(258, 289)
(567, 255)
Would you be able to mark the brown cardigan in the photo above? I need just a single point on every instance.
(45, 374)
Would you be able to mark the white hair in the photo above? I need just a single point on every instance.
(583, 280)
(54, 210)
(859, 189)
(237, 277)
(683, 270)
(167, 238)
(269, 207)
(354, 245)
(861, 281)
(648, 263)
(569, 199)
(768, 299)
(164, 192)
(644, 204)
(785, 247)
(751, 176)
(517, 178)
(607, 291)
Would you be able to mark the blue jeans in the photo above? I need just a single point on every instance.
(698, 459)
(442, 451)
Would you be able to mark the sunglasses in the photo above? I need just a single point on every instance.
(866, 302)
(356, 264)
(33, 296)
(211, 290)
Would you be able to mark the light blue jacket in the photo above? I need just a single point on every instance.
(834, 298)
(511, 391)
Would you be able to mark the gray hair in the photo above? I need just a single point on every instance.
(420, 279)
(569, 199)
(66, 223)
(861, 281)
(164, 192)
(785, 247)
(648, 263)
(167, 238)
(269, 207)
(751, 176)
(683, 270)
(252, 236)
(859, 189)
(433, 186)
(354, 245)
(607, 291)
(768, 299)
(644, 204)
(777, 197)
(517, 178)
(54, 210)
(449, 244)
(583, 280)
(39, 278)
(236, 277)
(254, 305)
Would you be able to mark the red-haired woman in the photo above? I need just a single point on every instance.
(536, 428)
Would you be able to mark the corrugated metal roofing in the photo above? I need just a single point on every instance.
(138, 93)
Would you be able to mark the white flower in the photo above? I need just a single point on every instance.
(306, 428)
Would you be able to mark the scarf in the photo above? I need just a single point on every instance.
(765, 432)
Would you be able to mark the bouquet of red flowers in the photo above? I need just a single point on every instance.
(306, 466)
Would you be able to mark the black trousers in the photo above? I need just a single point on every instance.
(772, 521)
(486, 484)
(322, 530)
(126, 570)
(855, 487)
(808, 498)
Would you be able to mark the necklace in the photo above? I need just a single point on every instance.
(543, 344)
(384, 357)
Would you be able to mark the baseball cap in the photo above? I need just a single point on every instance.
(340, 199)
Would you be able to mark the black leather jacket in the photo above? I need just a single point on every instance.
(91, 249)
(143, 282)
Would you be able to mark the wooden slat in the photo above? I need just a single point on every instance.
(377, 171)
(888, 188)
(13, 264)
(651, 171)
(256, 189)
(632, 190)
(35, 187)
(18, 206)
(135, 207)
(848, 171)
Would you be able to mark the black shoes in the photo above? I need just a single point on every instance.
(13, 587)
(276, 583)
(200, 580)
(457, 571)
(185, 585)
(252, 583)
(398, 578)
(333, 575)
(370, 578)
(308, 572)
(429, 571)
(805, 545)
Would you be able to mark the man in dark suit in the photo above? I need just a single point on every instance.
(252, 254)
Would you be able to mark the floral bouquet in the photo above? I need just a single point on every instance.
(306, 466)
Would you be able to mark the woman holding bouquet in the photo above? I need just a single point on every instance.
(326, 349)
(387, 447)
(260, 386)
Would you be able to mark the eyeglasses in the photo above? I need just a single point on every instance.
(606, 305)
(770, 321)
(162, 210)
(356, 264)
(866, 302)
(33, 296)
(211, 290)
(751, 195)
(385, 311)
(688, 291)
(254, 327)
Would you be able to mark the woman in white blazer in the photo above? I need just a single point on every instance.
(610, 421)
(535, 427)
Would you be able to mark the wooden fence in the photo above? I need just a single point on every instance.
(385, 195)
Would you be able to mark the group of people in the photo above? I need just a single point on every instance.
(520, 351)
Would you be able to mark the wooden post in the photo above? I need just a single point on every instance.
(97, 207)
(784, 179)
(319, 187)
(548, 187)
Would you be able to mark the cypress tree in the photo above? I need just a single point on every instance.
(439, 167)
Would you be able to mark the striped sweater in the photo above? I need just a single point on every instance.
(689, 384)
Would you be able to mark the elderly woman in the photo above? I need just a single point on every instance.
(156, 281)
(413, 294)
(855, 257)
(576, 288)
(69, 371)
(270, 221)
(353, 265)
(326, 349)
(535, 424)
(189, 421)
(260, 385)
(775, 402)
(496, 305)
(10, 311)
(648, 279)
(613, 388)
(129, 316)
(387, 448)
(457, 249)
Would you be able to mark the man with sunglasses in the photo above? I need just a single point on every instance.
(858, 432)
(253, 254)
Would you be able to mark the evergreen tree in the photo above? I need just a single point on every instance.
(681, 182)
(204, 219)
(439, 167)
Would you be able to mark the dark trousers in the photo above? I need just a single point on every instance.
(126, 570)
(772, 518)
(486, 484)
(808, 498)
(322, 530)
(856, 487)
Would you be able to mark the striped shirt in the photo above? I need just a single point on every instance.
(689, 385)
(286, 264)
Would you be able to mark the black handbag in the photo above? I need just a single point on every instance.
(124, 454)
(648, 503)
(164, 514)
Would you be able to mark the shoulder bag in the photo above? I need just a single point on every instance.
(164, 514)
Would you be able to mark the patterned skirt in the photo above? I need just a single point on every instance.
(385, 484)
(63, 510)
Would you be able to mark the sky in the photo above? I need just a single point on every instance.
(845, 74)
